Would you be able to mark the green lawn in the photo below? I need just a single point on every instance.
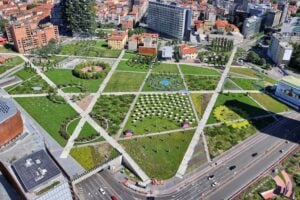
(3, 49)
(123, 66)
(94, 48)
(10, 63)
(128, 55)
(240, 104)
(125, 82)
(165, 68)
(229, 85)
(159, 156)
(113, 108)
(65, 77)
(90, 156)
(25, 74)
(27, 87)
(244, 71)
(195, 83)
(249, 84)
(270, 103)
(190, 69)
(48, 114)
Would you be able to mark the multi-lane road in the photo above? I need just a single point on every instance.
(250, 159)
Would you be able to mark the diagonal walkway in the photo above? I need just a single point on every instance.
(189, 153)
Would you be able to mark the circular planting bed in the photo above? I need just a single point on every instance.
(165, 82)
(91, 70)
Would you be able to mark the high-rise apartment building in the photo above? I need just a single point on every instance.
(28, 36)
(169, 19)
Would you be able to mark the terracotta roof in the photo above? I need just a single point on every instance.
(185, 49)
(221, 23)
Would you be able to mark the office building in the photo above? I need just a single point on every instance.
(272, 18)
(280, 51)
(11, 123)
(170, 19)
(288, 89)
(251, 26)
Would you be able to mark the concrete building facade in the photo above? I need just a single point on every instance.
(169, 19)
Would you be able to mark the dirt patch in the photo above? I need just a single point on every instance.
(92, 68)
(85, 102)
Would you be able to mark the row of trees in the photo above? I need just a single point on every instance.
(221, 44)
(91, 74)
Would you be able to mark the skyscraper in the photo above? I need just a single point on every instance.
(170, 19)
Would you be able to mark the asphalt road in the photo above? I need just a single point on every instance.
(266, 144)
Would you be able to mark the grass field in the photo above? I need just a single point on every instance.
(89, 48)
(249, 84)
(90, 156)
(48, 114)
(244, 71)
(86, 132)
(128, 55)
(25, 74)
(11, 63)
(65, 77)
(190, 69)
(239, 103)
(229, 85)
(195, 83)
(125, 82)
(123, 66)
(270, 103)
(159, 156)
(165, 68)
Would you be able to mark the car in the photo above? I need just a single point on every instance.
(210, 177)
(114, 198)
(281, 151)
(214, 184)
(232, 167)
(102, 191)
(254, 154)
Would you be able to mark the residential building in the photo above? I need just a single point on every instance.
(117, 40)
(29, 36)
(288, 89)
(251, 26)
(188, 53)
(291, 29)
(145, 44)
(280, 51)
(170, 19)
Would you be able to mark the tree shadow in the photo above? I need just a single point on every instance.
(285, 127)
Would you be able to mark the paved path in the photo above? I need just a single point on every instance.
(189, 153)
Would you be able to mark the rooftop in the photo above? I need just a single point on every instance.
(35, 169)
(7, 109)
(291, 80)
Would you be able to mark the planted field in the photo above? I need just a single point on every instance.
(48, 114)
(239, 103)
(155, 113)
(200, 101)
(110, 111)
(91, 156)
(249, 84)
(125, 82)
(159, 156)
(244, 71)
(164, 82)
(270, 103)
(195, 83)
(230, 85)
(190, 69)
(165, 68)
(70, 83)
(124, 66)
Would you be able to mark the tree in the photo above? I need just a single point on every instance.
(2, 25)
(79, 15)
(295, 59)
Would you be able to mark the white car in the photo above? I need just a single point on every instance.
(102, 191)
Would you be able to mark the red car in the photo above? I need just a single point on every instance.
(114, 198)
